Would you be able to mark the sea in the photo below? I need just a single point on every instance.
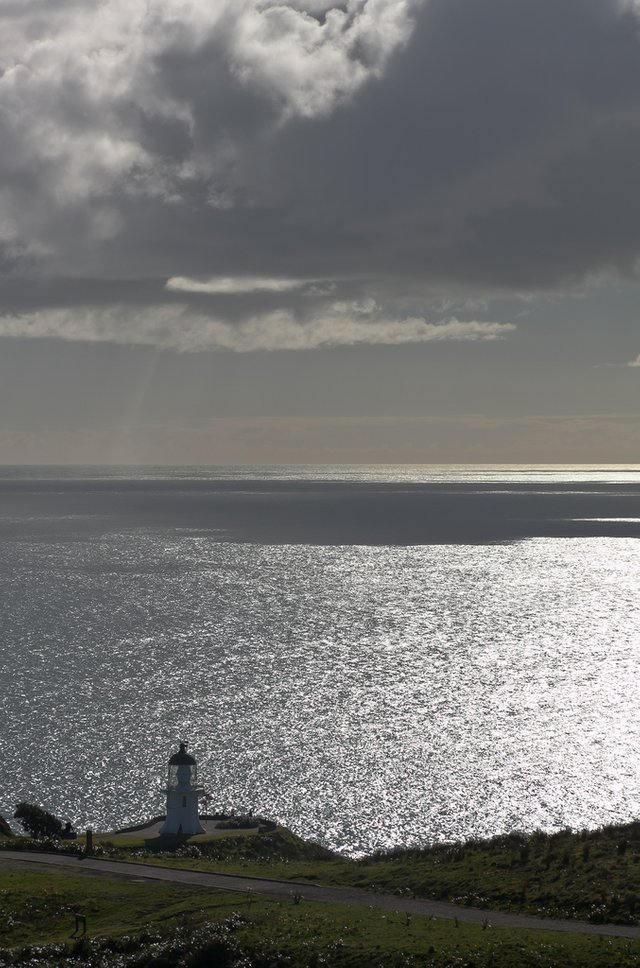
(373, 656)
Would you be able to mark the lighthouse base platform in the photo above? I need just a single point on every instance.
(152, 828)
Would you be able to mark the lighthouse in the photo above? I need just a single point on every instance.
(182, 795)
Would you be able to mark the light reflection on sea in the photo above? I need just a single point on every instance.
(350, 473)
(364, 696)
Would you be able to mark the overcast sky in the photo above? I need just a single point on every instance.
(253, 231)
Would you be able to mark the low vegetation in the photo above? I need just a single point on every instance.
(143, 924)
(37, 822)
(590, 875)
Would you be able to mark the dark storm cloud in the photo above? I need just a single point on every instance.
(500, 148)
(374, 145)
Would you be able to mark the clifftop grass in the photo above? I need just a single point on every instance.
(147, 924)
(588, 875)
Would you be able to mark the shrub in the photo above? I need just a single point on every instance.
(5, 829)
(37, 822)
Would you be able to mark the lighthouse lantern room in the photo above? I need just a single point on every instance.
(182, 795)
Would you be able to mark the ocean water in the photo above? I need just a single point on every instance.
(373, 656)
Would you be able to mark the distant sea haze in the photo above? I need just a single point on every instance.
(370, 655)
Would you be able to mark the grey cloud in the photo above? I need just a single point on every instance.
(393, 146)
(499, 150)
(232, 284)
(179, 328)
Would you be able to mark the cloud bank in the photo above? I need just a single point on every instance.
(178, 328)
(107, 102)
(241, 148)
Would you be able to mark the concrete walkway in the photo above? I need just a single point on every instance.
(309, 892)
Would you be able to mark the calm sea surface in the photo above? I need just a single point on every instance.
(373, 656)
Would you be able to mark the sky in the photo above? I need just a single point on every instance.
(251, 231)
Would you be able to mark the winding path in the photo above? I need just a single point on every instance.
(310, 892)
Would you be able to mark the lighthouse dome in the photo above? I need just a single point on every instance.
(182, 758)
(183, 772)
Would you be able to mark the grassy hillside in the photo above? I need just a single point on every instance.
(37, 906)
(143, 924)
(590, 875)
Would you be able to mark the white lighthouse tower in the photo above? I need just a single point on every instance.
(182, 795)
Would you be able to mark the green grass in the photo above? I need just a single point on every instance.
(277, 854)
(40, 906)
(336, 935)
(592, 876)
(144, 923)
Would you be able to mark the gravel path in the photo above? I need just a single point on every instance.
(309, 892)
